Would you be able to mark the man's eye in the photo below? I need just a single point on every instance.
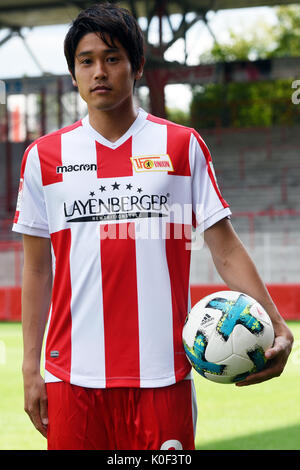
(112, 59)
(86, 61)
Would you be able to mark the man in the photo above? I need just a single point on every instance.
(98, 207)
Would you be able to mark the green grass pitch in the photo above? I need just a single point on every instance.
(259, 417)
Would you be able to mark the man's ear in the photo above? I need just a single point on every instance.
(73, 79)
(139, 72)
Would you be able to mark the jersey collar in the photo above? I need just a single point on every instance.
(136, 126)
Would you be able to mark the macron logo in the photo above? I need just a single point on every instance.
(76, 167)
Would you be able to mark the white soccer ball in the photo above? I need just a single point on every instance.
(225, 336)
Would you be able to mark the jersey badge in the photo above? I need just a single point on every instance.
(149, 163)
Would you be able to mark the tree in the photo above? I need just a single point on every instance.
(254, 43)
(287, 32)
(261, 41)
(261, 103)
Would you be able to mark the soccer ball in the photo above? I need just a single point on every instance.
(225, 336)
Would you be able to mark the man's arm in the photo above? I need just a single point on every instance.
(36, 298)
(238, 271)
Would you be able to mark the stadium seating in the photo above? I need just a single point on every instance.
(258, 173)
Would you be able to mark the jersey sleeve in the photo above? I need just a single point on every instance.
(207, 202)
(31, 215)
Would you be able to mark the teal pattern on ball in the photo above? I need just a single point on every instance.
(235, 313)
(258, 358)
(196, 355)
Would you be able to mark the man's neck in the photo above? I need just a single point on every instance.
(112, 124)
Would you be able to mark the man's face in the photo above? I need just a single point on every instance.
(103, 74)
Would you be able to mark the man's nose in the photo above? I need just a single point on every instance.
(100, 71)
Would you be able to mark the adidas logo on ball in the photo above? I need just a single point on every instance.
(207, 318)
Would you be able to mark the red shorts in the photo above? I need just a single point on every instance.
(121, 418)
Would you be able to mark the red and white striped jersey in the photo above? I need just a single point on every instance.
(120, 218)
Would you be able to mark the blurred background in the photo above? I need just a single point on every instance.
(230, 69)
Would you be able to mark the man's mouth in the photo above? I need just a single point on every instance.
(101, 88)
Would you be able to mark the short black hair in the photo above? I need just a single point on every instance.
(111, 22)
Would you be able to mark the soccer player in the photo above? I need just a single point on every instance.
(106, 207)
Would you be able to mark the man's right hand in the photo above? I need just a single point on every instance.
(36, 404)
